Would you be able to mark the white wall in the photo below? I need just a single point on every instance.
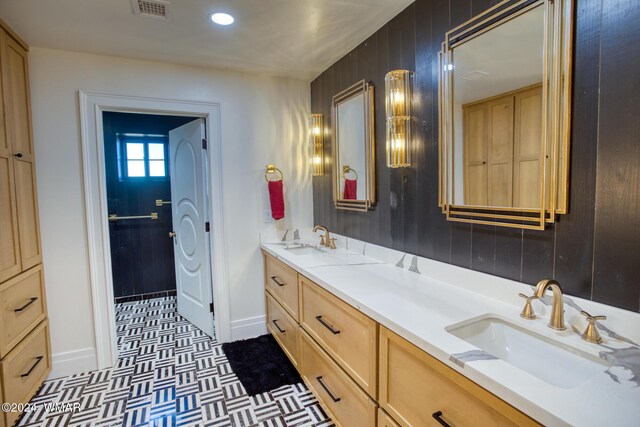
(263, 120)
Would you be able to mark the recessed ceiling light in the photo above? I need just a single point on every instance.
(222, 18)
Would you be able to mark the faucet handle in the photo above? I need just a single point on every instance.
(591, 334)
(322, 242)
(527, 311)
(332, 245)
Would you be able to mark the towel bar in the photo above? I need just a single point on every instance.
(114, 217)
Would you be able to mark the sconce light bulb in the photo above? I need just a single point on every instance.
(397, 97)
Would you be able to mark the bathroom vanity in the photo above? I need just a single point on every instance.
(379, 344)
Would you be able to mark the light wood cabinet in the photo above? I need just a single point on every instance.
(384, 420)
(24, 330)
(284, 329)
(349, 336)
(345, 402)
(9, 241)
(23, 305)
(526, 145)
(414, 386)
(365, 375)
(501, 149)
(282, 282)
(20, 249)
(25, 368)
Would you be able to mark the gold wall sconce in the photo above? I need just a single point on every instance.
(399, 110)
(316, 144)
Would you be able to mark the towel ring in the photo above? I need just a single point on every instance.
(271, 169)
(346, 170)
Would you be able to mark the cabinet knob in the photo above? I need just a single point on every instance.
(18, 155)
(172, 234)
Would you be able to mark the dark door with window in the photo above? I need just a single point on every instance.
(137, 174)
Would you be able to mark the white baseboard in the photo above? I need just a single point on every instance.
(73, 362)
(250, 327)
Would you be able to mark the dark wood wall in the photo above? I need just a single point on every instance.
(594, 251)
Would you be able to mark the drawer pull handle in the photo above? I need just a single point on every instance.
(38, 360)
(31, 301)
(324, 386)
(278, 282)
(275, 323)
(326, 325)
(438, 417)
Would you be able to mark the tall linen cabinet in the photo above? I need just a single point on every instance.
(25, 350)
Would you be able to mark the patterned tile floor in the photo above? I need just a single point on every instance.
(169, 373)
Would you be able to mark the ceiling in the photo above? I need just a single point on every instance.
(506, 58)
(292, 38)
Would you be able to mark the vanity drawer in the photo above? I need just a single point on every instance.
(414, 386)
(347, 335)
(25, 368)
(22, 300)
(282, 281)
(284, 329)
(345, 402)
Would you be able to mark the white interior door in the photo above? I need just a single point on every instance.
(189, 206)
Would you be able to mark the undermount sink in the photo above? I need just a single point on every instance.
(303, 249)
(542, 357)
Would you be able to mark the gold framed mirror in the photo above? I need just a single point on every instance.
(353, 142)
(505, 108)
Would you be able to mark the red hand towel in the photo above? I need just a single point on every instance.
(350, 189)
(276, 197)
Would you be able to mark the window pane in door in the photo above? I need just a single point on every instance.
(156, 151)
(135, 168)
(135, 150)
(156, 168)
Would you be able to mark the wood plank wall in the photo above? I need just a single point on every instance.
(594, 251)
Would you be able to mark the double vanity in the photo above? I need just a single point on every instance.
(380, 344)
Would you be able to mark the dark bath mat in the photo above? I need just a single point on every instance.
(260, 364)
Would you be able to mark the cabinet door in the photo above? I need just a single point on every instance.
(27, 204)
(15, 82)
(527, 148)
(500, 152)
(475, 156)
(9, 249)
(15, 77)
(9, 246)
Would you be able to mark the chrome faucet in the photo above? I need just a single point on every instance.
(556, 320)
(326, 239)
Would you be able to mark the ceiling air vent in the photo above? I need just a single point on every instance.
(151, 8)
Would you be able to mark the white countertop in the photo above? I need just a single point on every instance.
(419, 307)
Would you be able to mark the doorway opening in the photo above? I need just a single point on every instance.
(156, 177)
(92, 107)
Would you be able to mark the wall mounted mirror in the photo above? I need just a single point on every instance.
(353, 148)
(505, 80)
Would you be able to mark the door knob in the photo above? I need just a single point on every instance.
(18, 155)
(172, 234)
